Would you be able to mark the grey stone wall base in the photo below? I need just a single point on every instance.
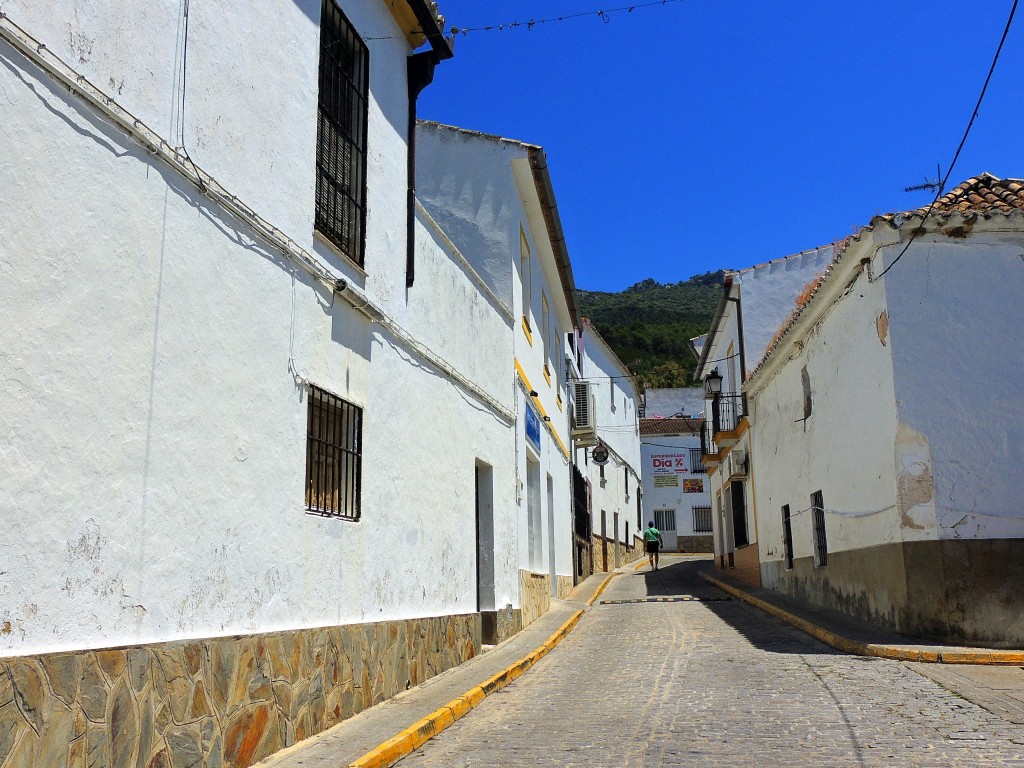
(957, 592)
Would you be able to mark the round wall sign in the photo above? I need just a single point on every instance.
(599, 455)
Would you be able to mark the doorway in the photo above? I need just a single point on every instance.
(484, 537)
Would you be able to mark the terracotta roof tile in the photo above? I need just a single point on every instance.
(984, 194)
(670, 426)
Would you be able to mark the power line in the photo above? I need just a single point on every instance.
(603, 14)
(970, 124)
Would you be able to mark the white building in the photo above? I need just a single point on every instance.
(677, 493)
(494, 199)
(241, 445)
(888, 426)
(754, 303)
(671, 402)
(614, 487)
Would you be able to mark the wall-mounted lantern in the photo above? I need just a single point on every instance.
(713, 383)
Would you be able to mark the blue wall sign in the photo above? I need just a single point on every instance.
(532, 426)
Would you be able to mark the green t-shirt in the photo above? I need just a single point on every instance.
(652, 534)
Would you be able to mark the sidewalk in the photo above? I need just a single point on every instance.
(383, 734)
(993, 679)
(852, 636)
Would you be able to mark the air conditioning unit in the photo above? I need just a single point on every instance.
(736, 463)
(584, 428)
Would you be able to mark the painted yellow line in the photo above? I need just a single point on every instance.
(417, 734)
(600, 588)
(845, 644)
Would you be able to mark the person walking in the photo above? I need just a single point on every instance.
(653, 542)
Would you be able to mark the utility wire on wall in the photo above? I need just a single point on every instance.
(956, 155)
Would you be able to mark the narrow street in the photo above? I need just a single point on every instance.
(716, 682)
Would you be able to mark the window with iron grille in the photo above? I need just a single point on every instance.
(334, 453)
(702, 520)
(665, 519)
(818, 518)
(341, 134)
(696, 466)
(787, 536)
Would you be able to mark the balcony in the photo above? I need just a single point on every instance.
(726, 424)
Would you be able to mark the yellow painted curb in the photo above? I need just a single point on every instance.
(417, 734)
(845, 644)
(600, 589)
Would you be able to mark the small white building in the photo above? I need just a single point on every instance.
(494, 200)
(754, 302)
(677, 492)
(887, 429)
(614, 486)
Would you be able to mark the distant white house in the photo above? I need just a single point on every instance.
(668, 403)
(614, 486)
(754, 302)
(677, 493)
(887, 430)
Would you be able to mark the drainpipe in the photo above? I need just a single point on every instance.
(743, 356)
(420, 69)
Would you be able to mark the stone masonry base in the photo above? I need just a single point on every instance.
(958, 591)
(215, 702)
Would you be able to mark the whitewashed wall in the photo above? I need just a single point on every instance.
(481, 192)
(616, 402)
(667, 402)
(845, 447)
(954, 320)
(153, 435)
(769, 291)
(662, 496)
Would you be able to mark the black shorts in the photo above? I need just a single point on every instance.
(652, 547)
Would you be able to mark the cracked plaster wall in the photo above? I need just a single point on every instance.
(153, 436)
(955, 334)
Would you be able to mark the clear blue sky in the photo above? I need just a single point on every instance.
(719, 134)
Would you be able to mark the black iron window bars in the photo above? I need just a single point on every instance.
(341, 134)
(334, 438)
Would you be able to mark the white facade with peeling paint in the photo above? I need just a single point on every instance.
(155, 350)
(912, 431)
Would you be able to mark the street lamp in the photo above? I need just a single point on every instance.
(713, 383)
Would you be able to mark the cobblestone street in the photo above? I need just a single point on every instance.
(715, 682)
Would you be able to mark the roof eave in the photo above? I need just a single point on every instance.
(553, 222)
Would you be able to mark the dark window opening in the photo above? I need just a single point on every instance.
(334, 437)
(341, 134)
(818, 519)
(739, 515)
(702, 520)
(696, 465)
(787, 536)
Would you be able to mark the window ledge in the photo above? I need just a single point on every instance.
(321, 238)
(527, 331)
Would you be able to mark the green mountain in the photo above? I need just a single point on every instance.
(650, 324)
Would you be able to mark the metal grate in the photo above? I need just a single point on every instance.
(341, 134)
(665, 519)
(820, 540)
(696, 465)
(787, 536)
(334, 445)
(702, 520)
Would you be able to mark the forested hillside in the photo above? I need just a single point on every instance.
(650, 324)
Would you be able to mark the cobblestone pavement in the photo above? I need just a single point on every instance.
(715, 683)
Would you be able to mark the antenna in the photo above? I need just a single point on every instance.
(931, 186)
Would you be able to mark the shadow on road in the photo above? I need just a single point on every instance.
(760, 629)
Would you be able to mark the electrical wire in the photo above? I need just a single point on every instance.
(604, 14)
(956, 155)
